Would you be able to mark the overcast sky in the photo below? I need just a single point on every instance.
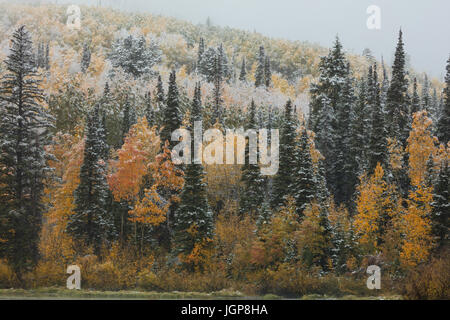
(426, 23)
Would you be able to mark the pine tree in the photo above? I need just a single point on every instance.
(24, 125)
(47, 57)
(360, 130)
(443, 126)
(441, 206)
(92, 223)
(283, 179)
(223, 60)
(252, 195)
(267, 72)
(207, 66)
(201, 50)
(134, 56)
(218, 77)
(160, 97)
(326, 97)
(303, 185)
(129, 119)
(40, 56)
(384, 86)
(85, 58)
(378, 140)
(426, 98)
(243, 73)
(171, 113)
(415, 101)
(397, 104)
(193, 219)
(345, 173)
(260, 79)
(149, 112)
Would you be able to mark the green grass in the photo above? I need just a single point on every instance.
(65, 294)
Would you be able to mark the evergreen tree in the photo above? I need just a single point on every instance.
(426, 98)
(384, 86)
(128, 119)
(193, 210)
(47, 57)
(441, 206)
(207, 66)
(267, 72)
(85, 58)
(284, 178)
(24, 125)
(360, 130)
(149, 112)
(40, 56)
(218, 77)
(443, 126)
(201, 50)
(303, 185)
(171, 113)
(252, 195)
(397, 104)
(326, 97)
(134, 56)
(415, 101)
(344, 172)
(92, 223)
(160, 97)
(260, 79)
(243, 73)
(378, 140)
(223, 60)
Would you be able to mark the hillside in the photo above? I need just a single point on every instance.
(89, 172)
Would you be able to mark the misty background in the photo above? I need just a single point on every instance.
(425, 24)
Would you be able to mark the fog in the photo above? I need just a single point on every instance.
(426, 24)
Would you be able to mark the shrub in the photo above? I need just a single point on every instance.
(429, 281)
(7, 277)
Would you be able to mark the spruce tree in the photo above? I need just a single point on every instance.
(201, 50)
(252, 195)
(426, 98)
(243, 73)
(397, 104)
(24, 125)
(149, 112)
(441, 206)
(85, 58)
(260, 79)
(92, 223)
(415, 100)
(193, 210)
(443, 126)
(284, 178)
(47, 57)
(171, 113)
(207, 67)
(218, 77)
(303, 183)
(378, 139)
(344, 170)
(326, 97)
(40, 56)
(160, 97)
(267, 72)
(223, 60)
(360, 130)
(128, 119)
